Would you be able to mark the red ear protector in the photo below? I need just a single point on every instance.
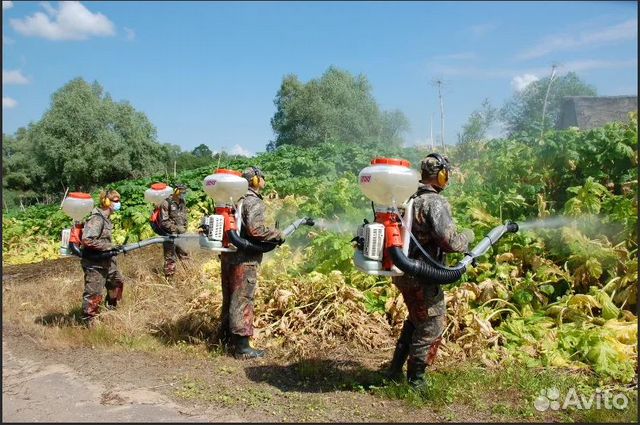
(443, 164)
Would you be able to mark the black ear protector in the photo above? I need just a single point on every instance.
(443, 164)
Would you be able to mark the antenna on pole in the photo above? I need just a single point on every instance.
(439, 83)
(544, 105)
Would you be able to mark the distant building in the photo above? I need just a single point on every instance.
(586, 112)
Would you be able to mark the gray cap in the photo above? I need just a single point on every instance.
(250, 172)
(433, 163)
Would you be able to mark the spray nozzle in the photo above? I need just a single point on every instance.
(511, 226)
(309, 221)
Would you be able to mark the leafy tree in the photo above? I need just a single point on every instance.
(476, 128)
(523, 112)
(85, 139)
(20, 170)
(479, 123)
(202, 151)
(338, 107)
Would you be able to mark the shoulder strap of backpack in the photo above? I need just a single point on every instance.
(104, 220)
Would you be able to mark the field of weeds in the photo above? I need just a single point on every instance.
(319, 333)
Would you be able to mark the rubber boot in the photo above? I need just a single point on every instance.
(416, 372)
(243, 349)
(113, 296)
(91, 308)
(394, 372)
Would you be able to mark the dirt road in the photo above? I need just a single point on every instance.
(45, 391)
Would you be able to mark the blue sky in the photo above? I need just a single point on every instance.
(207, 72)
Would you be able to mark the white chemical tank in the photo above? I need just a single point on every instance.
(388, 180)
(77, 205)
(157, 193)
(225, 186)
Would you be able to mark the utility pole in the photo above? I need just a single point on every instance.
(439, 83)
(544, 105)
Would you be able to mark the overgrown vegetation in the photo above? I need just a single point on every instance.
(545, 299)
(548, 297)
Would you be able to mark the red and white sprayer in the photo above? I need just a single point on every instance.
(156, 194)
(382, 247)
(225, 187)
(221, 231)
(388, 183)
(76, 205)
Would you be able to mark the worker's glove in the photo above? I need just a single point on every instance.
(469, 235)
(280, 241)
(117, 249)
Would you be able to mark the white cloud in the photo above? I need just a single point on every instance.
(7, 5)
(519, 82)
(8, 103)
(239, 150)
(130, 34)
(621, 32)
(13, 77)
(72, 21)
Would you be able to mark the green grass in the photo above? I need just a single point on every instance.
(507, 392)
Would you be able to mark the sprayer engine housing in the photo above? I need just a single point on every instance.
(375, 239)
(215, 229)
(64, 243)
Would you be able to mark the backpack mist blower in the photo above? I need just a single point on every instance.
(77, 205)
(221, 231)
(382, 246)
(156, 194)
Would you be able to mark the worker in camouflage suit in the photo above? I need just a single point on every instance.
(435, 230)
(100, 273)
(239, 269)
(173, 220)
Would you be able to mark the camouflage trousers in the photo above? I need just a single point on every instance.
(99, 275)
(171, 253)
(239, 282)
(427, 310)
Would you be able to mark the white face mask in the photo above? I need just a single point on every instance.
(116, 206)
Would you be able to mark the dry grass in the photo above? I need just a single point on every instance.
(294, 313)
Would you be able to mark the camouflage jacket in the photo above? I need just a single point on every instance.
(433, 226)
(173, 215)
(96, 234)
(253, 229)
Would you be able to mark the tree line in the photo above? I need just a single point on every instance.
(87, 140)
